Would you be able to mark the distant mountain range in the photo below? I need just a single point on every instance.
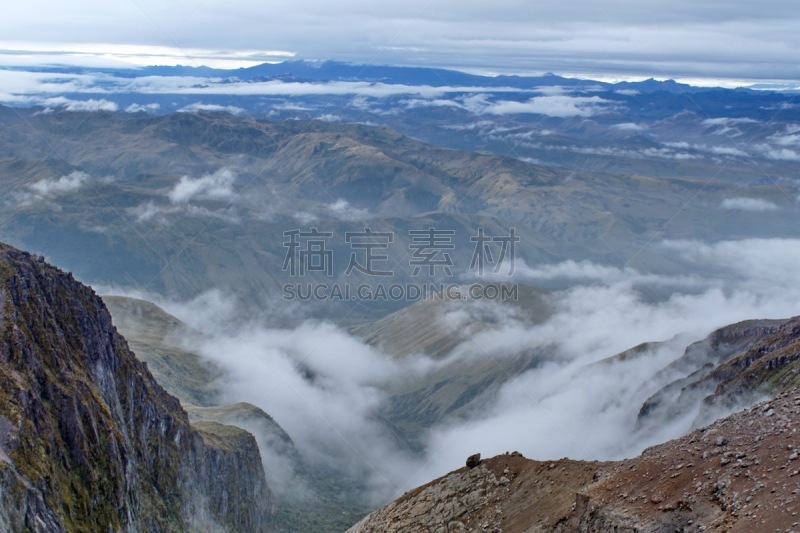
(649, 127)
(329, 70)
(322, 71)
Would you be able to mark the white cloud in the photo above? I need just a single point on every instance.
(661, 153)
(147, 211)
(21, 86)
(320, 383)
(305, 218)
(551, 90)
(570, 406)
(160, 214)
(115, 55)
(289, 106)
(199, 106)
(783, 145)
(748, 204)
(193, 85)
(782, 154)
(216, 186)
(716, 150)
(342, 210)
(29, 86)
(48, 189)
(629, 126)
(727, 121)
(329, 117)
(791, 136)
(553, 106)
(725, 150)
(376, 90)
(727, 126)
(587, 271)
(80, 105)
(64, 184)
(435, 102)
(147, 108)
(759, 265)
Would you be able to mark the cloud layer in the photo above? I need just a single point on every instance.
(327, 387)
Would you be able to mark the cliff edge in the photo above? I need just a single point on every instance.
(88, 440)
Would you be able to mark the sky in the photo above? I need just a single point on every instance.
(681, 39)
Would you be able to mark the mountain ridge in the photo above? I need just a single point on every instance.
(332, 70)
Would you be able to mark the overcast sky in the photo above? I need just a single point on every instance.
(676, 38)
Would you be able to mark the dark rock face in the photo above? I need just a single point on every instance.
(473, 460)
(88, 440)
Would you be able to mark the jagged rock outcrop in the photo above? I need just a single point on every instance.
(88, 440)
(734, 366)
(740, 474)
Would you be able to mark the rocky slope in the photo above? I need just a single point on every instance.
(88, 440)
(740, 474)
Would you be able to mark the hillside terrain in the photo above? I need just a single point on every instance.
(181, 203)
(736, 364)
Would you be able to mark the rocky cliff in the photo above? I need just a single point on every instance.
(306, 498)
(88, 440)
